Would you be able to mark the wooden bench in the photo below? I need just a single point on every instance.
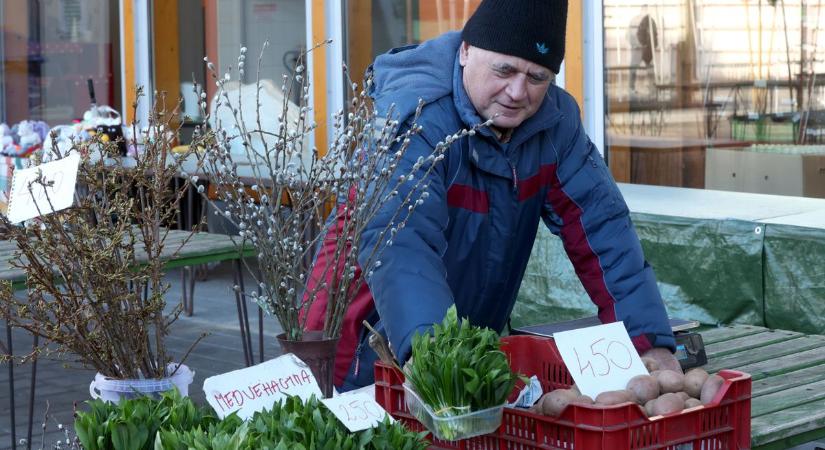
(788, 370)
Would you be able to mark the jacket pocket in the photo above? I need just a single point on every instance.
(605, 191)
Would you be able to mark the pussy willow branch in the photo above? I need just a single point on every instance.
(360, 172)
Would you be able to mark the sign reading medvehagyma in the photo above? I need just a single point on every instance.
(256, 388)
(600, 358)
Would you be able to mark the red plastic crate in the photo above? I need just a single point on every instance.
(722, 425)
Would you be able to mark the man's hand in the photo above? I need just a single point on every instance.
(665, 359)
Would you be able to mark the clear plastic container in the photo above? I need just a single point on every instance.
(453, 428)
(113, 390)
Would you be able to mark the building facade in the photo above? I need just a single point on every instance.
(707, 94)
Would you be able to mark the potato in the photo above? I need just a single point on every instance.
(575, 389)
(692, 402)
(614, 397)
(649, 407)
(684, 395)
(670, 381)
(538, 407)
(650, 364)
(667, 404)
(553, 403)
(632, 396)
(644, 387)
(694, 380)
(710, 388)
(584, 400)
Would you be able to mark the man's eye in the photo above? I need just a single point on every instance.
(502, 69)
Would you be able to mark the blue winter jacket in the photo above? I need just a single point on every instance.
(468, 244)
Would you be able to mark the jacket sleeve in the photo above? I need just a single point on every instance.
(585, 208)
(410, 285)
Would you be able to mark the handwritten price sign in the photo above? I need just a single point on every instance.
(54, 191)
(356, 411)
(600, 358)
(259, 387)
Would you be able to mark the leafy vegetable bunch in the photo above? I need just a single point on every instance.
(460, 368)
(133, 423)
(175, 423)
(291, 425)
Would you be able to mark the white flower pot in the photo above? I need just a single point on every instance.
(113, 390)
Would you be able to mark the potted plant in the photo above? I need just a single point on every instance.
(94, 272)
(278, 192)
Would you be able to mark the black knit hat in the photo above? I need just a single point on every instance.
(530, 29)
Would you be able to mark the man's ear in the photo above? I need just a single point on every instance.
(463, 53)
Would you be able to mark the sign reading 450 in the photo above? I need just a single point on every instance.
(599, 358)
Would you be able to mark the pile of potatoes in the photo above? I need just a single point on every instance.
(662, 392)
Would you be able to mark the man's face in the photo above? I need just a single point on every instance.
(506, 88)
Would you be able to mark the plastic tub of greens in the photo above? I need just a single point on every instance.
(454, 424)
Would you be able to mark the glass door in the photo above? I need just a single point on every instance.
(50, 49)
(375, 26)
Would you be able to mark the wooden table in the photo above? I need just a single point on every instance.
(201, 248)
(788, 370)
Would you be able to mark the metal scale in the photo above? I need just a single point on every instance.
(690, 349)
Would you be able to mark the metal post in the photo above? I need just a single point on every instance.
(260, 320)
(239, 265)
(239, 301)
(35, 342)
(11, 386)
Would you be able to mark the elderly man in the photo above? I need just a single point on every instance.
(468, 244)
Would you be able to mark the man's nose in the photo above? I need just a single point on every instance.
(517, 88)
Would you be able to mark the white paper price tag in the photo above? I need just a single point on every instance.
(259, 387)
(30, 198)
(600, 358)
(356, 411)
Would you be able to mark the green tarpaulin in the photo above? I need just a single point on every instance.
(795, 278)
(711, 270)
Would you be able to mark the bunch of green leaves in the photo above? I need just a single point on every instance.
(133, 423)
(460, 368)
(291, 424)
(229, 434)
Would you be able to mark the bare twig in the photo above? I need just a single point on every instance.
(86, 266)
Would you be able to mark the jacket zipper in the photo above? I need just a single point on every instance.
(515, 176)
(363, 338)
(358, 350)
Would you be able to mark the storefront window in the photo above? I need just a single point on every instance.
(49, 50)
(218, 29)
(716, 94)
(375, 26)
(250, 23)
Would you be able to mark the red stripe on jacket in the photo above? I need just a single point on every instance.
(533, 185)
(582, 255)
(361, 306)
(584, 259)
(467, 197)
